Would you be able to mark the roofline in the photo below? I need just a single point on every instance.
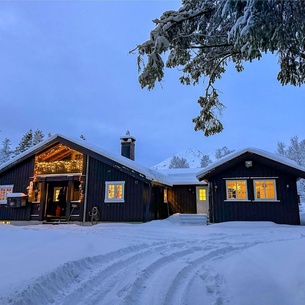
(148, 174)
(226, 159)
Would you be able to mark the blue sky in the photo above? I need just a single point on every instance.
(66, 68)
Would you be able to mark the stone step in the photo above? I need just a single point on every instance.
(197, 219)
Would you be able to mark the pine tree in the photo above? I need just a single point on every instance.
(25, 143)
(177, 162)
(296, 152)
(5, 151)
(203, 36)
(38, 137)
(221, 152)
(205, 161)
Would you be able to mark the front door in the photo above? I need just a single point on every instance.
(56, 200)
(202, 200)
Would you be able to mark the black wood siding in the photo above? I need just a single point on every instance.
(135, 194)
(19, 177)
(182, 199)
(286, 211)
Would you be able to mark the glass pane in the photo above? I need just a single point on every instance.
(110, 191)
(119, 191)
(270, 189)
(202, 194)
(241, 190)
(236, 189)
(2, 193)
(265, 189)
(231, 189)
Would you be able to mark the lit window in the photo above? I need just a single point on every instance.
(237, 190)
(165, 196)
(34, 191)
(202, 194)
(114, 191)
(4, 191)
(264, 190)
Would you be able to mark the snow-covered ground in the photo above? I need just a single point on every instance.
(160, 262)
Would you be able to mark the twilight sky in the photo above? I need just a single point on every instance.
(65, 68)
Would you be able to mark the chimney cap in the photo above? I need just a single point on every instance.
(128, 137)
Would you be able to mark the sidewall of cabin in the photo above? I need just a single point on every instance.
(133, 209)
(19, 177)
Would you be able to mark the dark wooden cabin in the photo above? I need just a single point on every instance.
(66, 179)
(253, 185)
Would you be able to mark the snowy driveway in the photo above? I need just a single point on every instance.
(154, 263)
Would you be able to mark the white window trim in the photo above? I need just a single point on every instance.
(236, 199)
(264, 200)
(114, 183)
(6, 186)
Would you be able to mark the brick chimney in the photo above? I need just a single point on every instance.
(128, 146)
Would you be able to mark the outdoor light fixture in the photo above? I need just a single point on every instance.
(248, 164)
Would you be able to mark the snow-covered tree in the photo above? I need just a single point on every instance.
(296, 152)
(5, 151)
(202, 36)
(25, 143)
(177, 162)
(221, 152)
(205, 161)
(38, 137)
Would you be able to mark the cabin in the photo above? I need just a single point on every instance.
(69, 180)
(253, 185)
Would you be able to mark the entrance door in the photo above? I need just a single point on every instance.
(56, 199)
(202, 200)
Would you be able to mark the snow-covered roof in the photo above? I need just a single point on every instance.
(260, 152)
(182, 176)
(148, 173)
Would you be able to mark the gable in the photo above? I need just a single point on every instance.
(244, 158)
(58, 159)
(83, 147)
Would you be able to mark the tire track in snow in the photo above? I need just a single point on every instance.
(105, 279)
(41, 292)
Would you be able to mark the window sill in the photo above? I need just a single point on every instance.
(237, 200)
(266, 200)
(114, 201)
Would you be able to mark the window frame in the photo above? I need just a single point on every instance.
(114, 200)
(6, 186)
(237, 199)
(265, 199)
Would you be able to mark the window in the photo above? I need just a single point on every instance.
(264, 189)
(165, 196)
(114, 191)
(236, 189)
(34, 191)
(4, 191)
(202, 194)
